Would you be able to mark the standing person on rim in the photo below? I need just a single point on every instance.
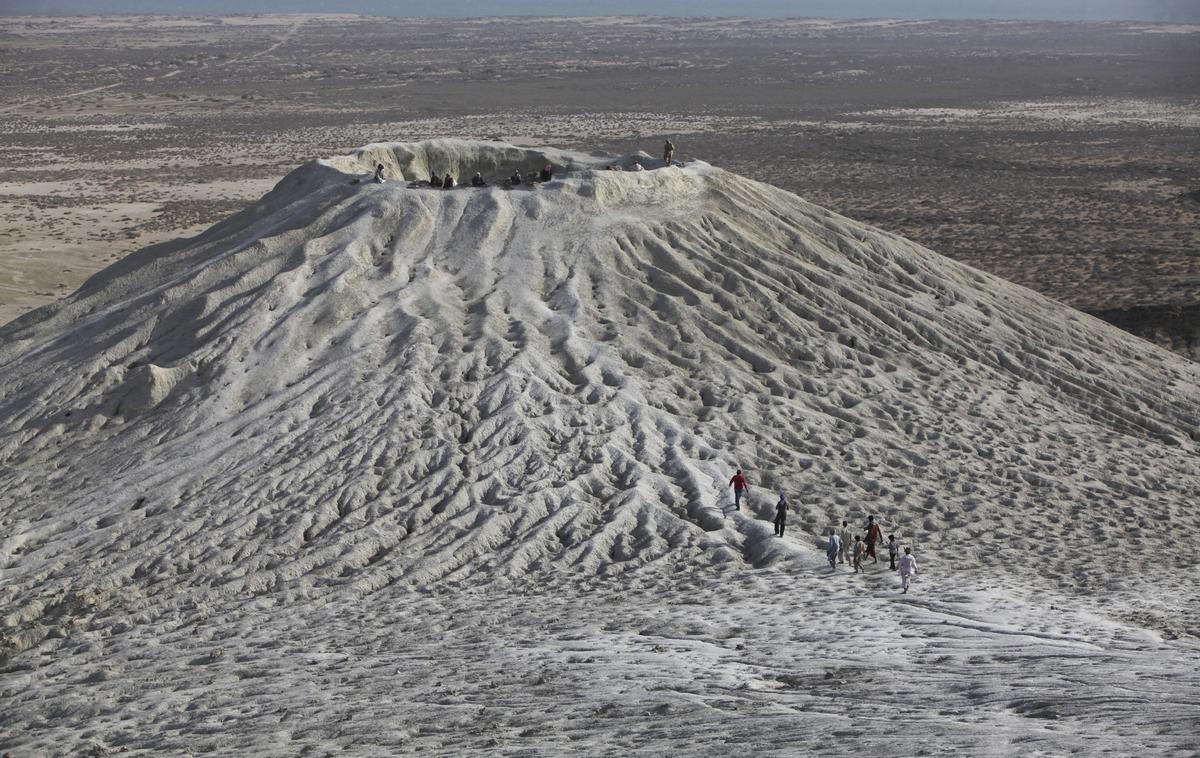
(739, 486)
(874, 534)
(780, 514)
(668, 152)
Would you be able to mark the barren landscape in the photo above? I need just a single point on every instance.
(380, 468)
(295, 462)
(1056, 155)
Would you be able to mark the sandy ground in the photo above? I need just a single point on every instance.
(778, 662)
(1060, 156)
(378, 468)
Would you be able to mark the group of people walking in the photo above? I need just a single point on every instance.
(843, 546)
(839, 549)
(448, 181)
(515, 179)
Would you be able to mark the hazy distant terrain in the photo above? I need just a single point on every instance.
(1061, 156)
(1062, 10)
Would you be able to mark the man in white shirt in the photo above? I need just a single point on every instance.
(908, 568)
(834, 549)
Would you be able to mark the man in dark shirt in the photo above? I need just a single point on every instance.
(780, 514)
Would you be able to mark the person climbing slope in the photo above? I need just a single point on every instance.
(739, 486)
(379, 173)
(893, 550)
(874, 534)
(668, 152)
(844, 555)
(834, 549)
(780, 514)
(908, 568)
(856, 554)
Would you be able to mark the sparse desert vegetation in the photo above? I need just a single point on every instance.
(1057, 155)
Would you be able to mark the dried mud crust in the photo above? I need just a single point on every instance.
(376, 465)
(646, 663)
(607, 336)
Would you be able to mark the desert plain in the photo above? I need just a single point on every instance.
(1060, 155)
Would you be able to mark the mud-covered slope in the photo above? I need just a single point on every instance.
(353, 384)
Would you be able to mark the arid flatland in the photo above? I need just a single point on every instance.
(1058, 155)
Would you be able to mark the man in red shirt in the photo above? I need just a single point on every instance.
(739, 486)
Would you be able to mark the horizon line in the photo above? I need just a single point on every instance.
(319, 14)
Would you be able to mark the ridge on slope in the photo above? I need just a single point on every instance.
(349, 385)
